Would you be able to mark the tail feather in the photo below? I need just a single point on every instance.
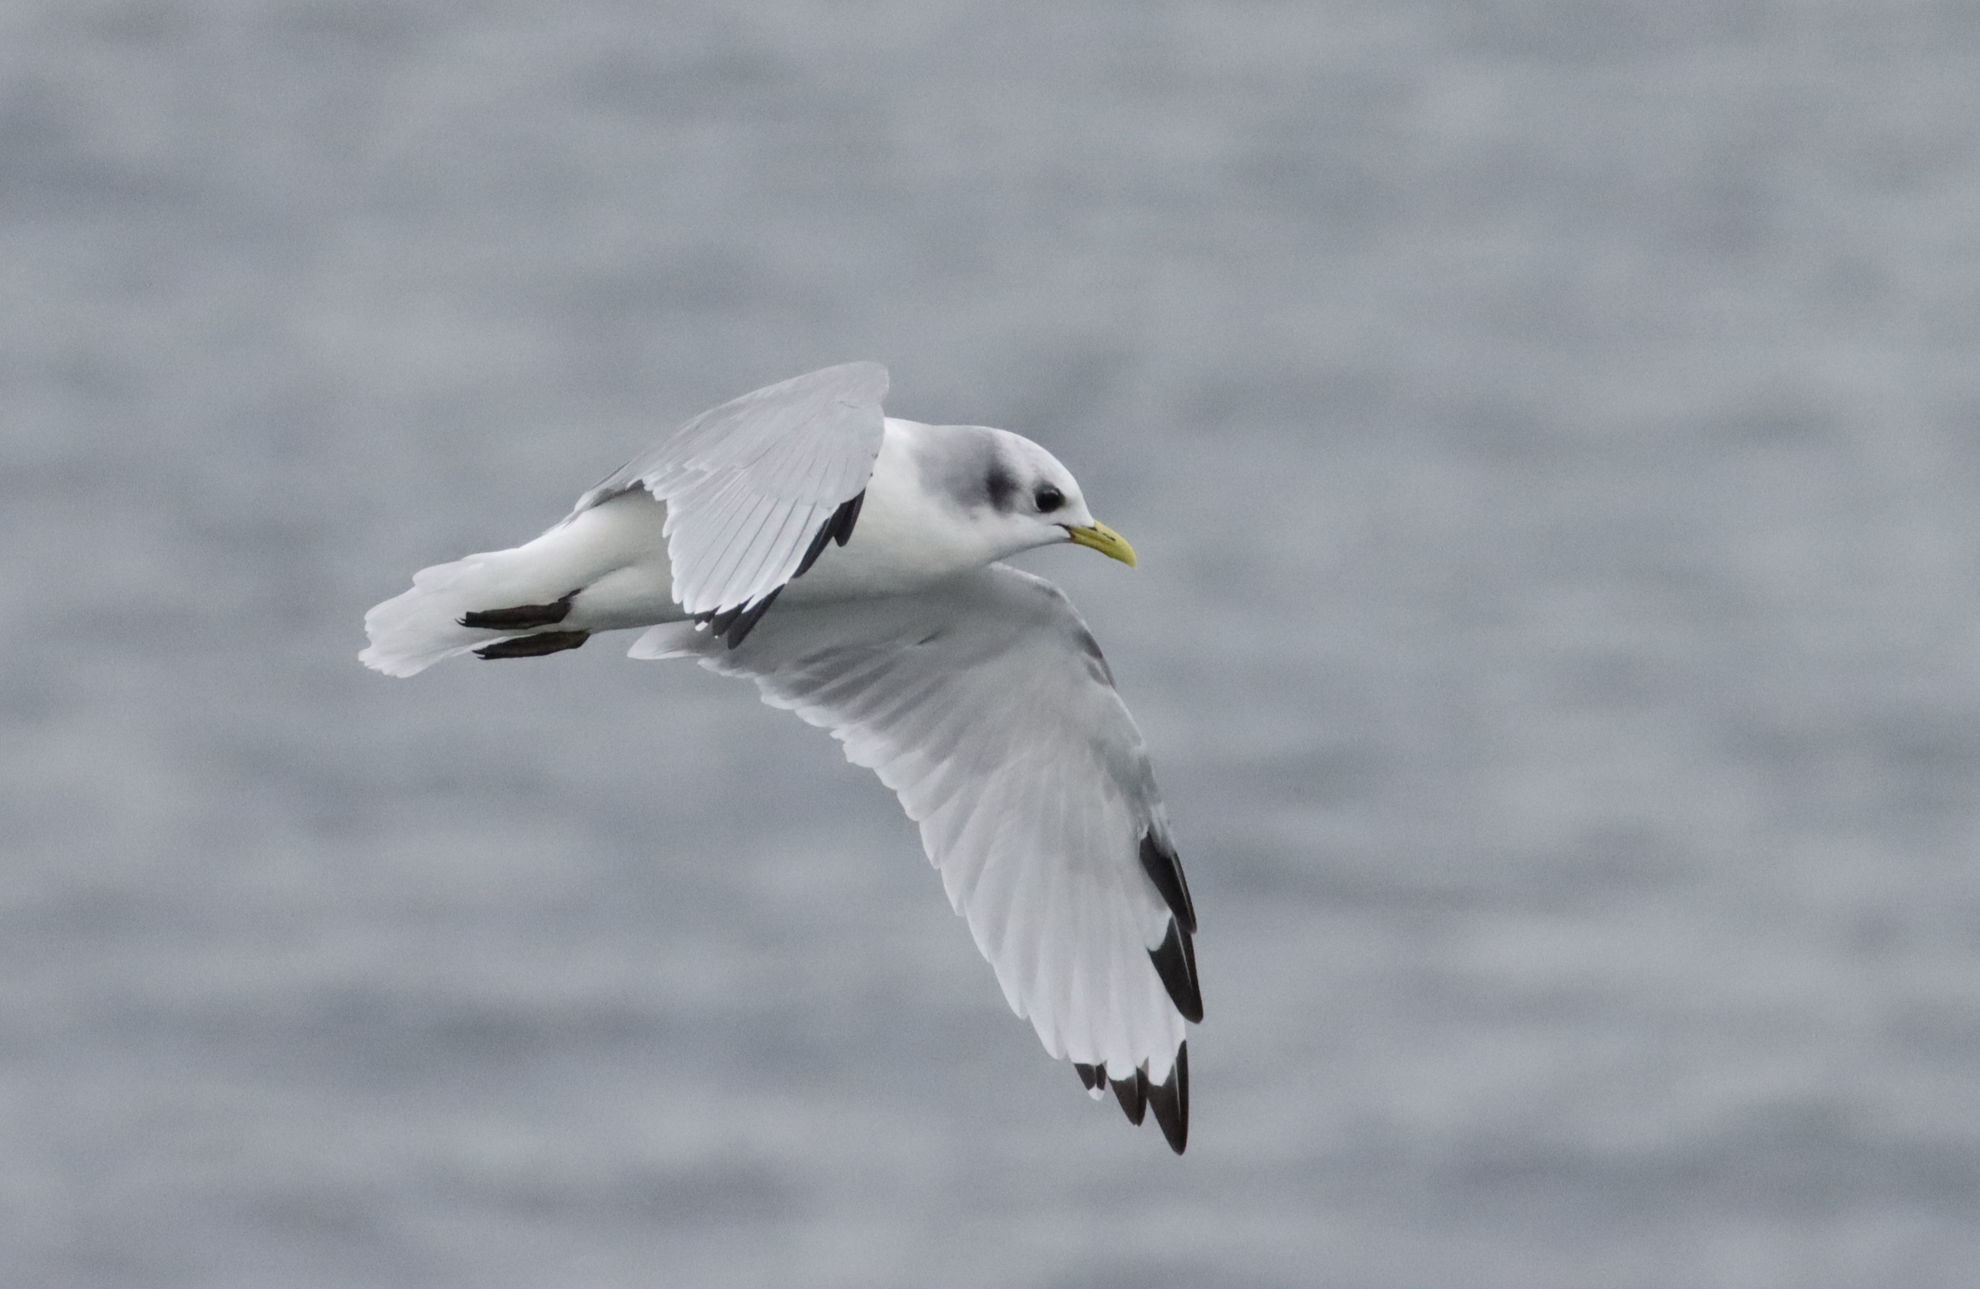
(614, 554)
(419, 627)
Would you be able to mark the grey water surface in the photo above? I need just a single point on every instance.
(1552, 435)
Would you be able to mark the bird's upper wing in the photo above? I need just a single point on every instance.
(756, 487)
(985, 704)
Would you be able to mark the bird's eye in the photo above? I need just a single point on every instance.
(1048, 499)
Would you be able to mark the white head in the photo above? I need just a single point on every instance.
(1015, 492)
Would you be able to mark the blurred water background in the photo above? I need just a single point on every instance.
(1552, 435)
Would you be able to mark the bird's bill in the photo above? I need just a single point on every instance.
(1103, 539)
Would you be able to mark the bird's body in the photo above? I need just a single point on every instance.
(610, 558)
(973, 690)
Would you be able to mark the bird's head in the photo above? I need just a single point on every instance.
(1033, 500)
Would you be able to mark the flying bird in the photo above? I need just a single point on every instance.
(847, 562)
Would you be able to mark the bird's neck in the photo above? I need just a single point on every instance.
(907, 536)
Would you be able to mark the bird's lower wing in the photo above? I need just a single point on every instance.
(985, 704)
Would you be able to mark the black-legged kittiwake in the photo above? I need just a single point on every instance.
(846, 561)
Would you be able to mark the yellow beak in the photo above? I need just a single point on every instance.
(1105, 540)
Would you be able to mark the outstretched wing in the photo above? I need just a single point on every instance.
(756, 487)
(985, 704)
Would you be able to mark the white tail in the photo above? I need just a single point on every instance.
(412, 631)
(614, 553)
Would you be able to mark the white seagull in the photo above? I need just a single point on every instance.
(972, 689)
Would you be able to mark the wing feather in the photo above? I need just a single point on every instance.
(982, 704)
(752, 485)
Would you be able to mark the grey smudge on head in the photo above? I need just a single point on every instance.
(968, 465)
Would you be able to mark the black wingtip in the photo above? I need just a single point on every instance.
(1132, 1093)
(819, 540)
(1175, 963)
(845, 517)
(733, 625)
(745, 621)
(838, 528)
(1169, 1102)
(1164, 868)
(1090, 1075)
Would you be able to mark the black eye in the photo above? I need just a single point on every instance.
(1048, 499)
